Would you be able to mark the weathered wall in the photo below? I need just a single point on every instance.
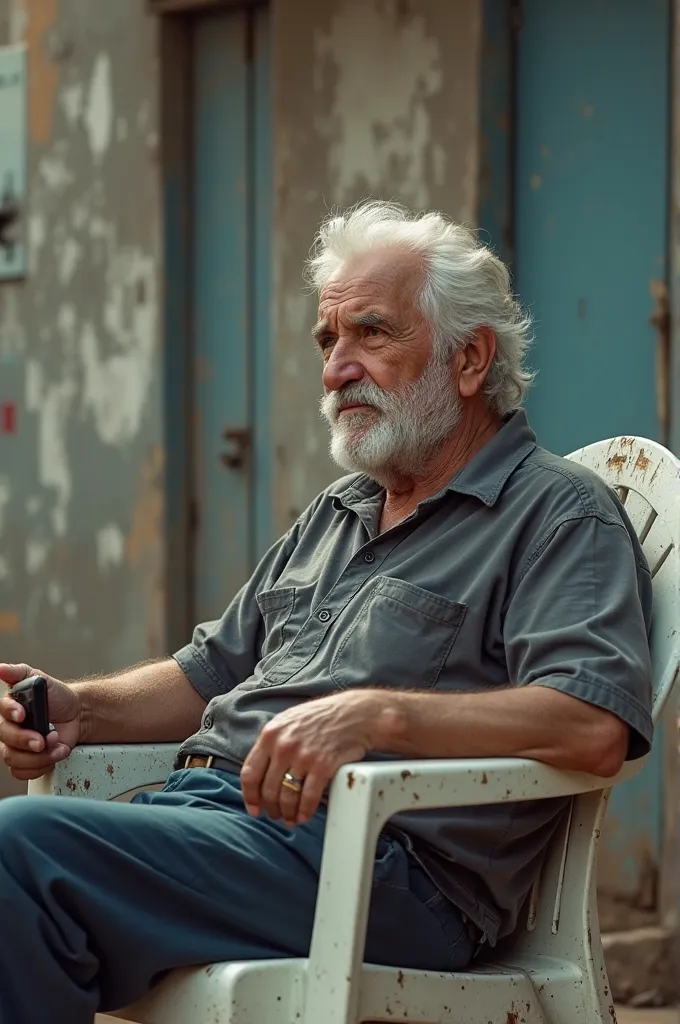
(372, 98)
(80, 481)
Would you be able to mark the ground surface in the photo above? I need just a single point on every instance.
(624, 1014)
(628, 1016)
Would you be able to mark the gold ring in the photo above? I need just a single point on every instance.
(290, 782)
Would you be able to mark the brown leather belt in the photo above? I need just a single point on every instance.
(208, 761)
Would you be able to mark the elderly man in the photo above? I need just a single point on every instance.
(461, 593)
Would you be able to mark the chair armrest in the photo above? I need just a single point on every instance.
(393, 786)
(362, 798)
(105, 772)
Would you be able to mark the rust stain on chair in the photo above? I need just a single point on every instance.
(642, 463)
(617, 462)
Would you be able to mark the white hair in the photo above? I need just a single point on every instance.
(465, 285)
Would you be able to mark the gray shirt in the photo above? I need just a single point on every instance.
(524, 570)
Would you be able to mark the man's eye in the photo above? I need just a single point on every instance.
(373, 332)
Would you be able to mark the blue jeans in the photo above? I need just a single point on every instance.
(99, 900)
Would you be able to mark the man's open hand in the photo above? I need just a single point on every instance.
(310, 741)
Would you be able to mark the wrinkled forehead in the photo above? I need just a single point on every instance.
(387, 278)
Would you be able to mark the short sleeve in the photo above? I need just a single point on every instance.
(578, 621)
(224, 652)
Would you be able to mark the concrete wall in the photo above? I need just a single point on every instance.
(393, 90)
(80, 482)
(372, 98)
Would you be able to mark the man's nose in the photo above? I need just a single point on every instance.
(341, 368)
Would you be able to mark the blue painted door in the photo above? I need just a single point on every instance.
(591, 209)
(231, 208)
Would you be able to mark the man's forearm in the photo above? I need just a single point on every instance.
(533, 721)
(150, 703)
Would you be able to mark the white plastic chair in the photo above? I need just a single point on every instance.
(551, 970)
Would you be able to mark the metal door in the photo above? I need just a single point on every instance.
(591, 212)
(231, 204)
(591, 208)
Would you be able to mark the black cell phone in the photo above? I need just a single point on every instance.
(31, 693)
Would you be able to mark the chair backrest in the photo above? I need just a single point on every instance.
(561, 916)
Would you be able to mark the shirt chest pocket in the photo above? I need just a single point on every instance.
(399, 636)
(275, 607)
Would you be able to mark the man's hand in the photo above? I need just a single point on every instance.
(27, 754)
(311, 741)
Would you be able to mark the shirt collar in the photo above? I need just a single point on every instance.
(486, 475)
(483, 477)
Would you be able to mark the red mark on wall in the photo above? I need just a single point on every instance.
(8, 418)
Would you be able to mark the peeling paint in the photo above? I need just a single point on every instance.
(66, 325)
(70, 257)
(116, 386)
(379, 134)
(12, 331)
(391, 89)
(55, 172)
(36, 554)
(110, 547)
(5, 493)
(72, 101)
(37, 235)
(52, 405)
(99, 112)
(79, 348)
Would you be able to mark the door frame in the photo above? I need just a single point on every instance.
(176, 125)
(176, 102)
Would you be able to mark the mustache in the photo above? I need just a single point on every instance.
(361, 393)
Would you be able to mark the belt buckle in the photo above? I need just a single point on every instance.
(199, 761)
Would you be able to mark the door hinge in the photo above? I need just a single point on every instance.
(237, 448)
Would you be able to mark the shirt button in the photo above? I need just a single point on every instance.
(324, 615)
(369, 557)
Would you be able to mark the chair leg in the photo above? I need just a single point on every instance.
(575, 1001)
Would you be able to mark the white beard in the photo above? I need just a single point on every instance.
(402, 431)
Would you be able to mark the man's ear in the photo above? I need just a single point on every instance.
(474, 362)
